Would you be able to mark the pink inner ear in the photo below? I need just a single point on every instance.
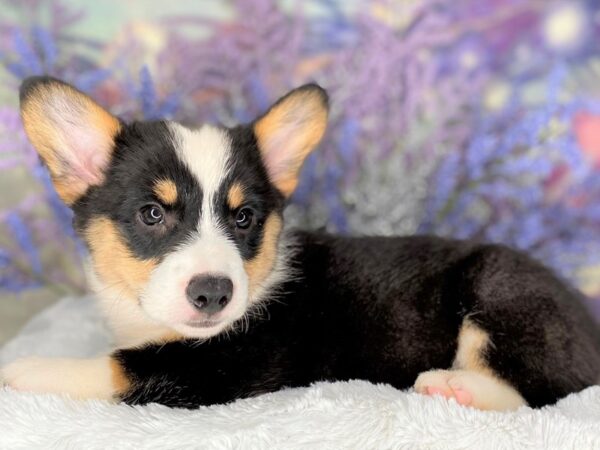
(282, 151)
(276, 155)
(87, 152)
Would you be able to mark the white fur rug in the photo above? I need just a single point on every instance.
(355, 415)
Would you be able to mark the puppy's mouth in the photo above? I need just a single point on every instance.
(203, 323)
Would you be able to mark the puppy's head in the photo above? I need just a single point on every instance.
(183, 222)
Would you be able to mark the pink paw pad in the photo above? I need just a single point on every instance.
(461, 396)
(445, 384)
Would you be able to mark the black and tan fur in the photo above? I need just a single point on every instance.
(479, 322)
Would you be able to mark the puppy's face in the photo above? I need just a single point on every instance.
(184, 222)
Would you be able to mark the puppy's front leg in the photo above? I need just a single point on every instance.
(97, 378)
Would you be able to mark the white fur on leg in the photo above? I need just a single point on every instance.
(79, 378)
(470, 388)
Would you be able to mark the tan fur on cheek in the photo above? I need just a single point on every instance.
(166, 191)
(259, 268)
(235, 196)
(113, 262)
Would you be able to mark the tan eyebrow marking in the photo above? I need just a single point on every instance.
(235, 197)
(166, 191)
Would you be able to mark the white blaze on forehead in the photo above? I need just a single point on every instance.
(206, 153)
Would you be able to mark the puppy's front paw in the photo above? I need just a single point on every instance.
(79, 378)
(27, 374)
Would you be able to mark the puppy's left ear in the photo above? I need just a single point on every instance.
(73, 135)
(289, 131)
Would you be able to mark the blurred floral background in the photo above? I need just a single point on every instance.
(457, 117)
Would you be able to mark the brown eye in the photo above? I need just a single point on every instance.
(244, 218)
(151, 215)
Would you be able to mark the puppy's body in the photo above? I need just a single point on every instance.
(385, 310)
(184, 232)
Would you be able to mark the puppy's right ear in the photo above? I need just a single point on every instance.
(73, 135)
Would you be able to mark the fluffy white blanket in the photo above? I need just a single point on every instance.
(356, 414)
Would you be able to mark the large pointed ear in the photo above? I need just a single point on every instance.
(289, 131)
(73, 135)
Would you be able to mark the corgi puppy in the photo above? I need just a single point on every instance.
(211, 301)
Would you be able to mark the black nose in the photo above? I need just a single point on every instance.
(209, 294)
